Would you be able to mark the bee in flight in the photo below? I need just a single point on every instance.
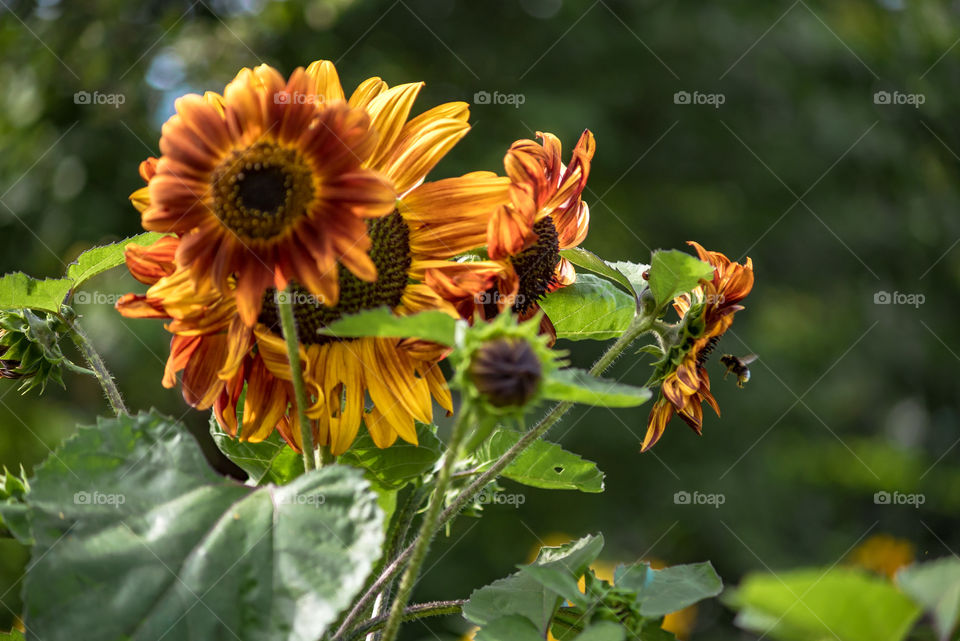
(738, 367)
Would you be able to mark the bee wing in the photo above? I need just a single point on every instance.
(749, 358)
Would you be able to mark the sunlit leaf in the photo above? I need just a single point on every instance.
(841, 603)
(430, 325)
(936, 586)
(137, 538)
(100, 259)
(591, 309)
(674, 272)
(543, 464)
(580, 387)
(18, 291)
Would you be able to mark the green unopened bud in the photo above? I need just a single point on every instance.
(506, 371)
(30, 350)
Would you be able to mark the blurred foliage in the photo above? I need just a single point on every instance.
(834, 197)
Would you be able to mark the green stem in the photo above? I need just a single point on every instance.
(428, 529)
(414, 612)
(639, 326)
(289, 325)
(98, 366)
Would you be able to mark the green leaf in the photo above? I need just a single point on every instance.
(13, 509)
(509, 628)
(544, 464)
(430, 325)
(521, 594)
(660, 592)
(100, 259)
(394, 466)
(841, 603)
(13, 635)
(590, 309)
(580, 387)
(674, 272)
(137, 538)
(936, 586)
(634, 273)
(603, 631)
(588, 260)
(269, 461)
(19, 291)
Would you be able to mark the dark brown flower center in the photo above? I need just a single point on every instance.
(536, 266)
(390, 252)
(506, 371)
(258, 192)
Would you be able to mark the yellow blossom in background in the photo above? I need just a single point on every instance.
(883, 554)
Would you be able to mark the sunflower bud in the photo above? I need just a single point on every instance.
(506, 371)
(30, 350)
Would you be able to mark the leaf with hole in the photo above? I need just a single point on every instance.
(544, 464)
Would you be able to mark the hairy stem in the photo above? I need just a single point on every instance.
(289, 325)
(639, 326)
(98, 366)
(414, 612)
(428, 529)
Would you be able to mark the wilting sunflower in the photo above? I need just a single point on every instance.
(707, 313)
(223, 356)
(524, 235)
(274, 181)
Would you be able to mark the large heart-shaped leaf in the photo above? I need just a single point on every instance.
(590, 309)
(138, 539)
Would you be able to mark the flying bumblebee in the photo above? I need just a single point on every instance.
(738, 367)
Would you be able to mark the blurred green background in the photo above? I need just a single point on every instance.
(836, 194)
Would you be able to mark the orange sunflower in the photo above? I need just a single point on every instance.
(707, 313)
(274, 181)
(224, 357)
(543, 214)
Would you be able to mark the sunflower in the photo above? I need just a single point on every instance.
(525, 233)
(225, 357)
(707, 313)
(274, 181)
